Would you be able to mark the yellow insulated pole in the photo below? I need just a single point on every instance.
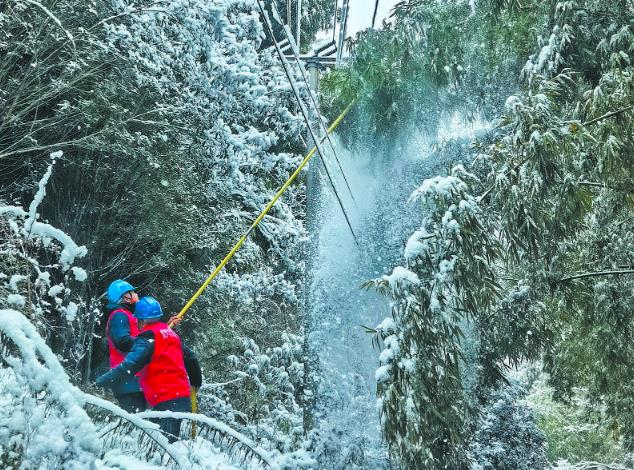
(194, 398)
(255, 223)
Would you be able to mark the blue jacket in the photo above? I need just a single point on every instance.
(140, 356)
(118, 330)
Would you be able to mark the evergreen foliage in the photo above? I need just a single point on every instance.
(542, 267)
(507, 436)
(432, 59)
(172, 126)
(176, 128)
(267, 390)
(316, 15)
(161, 128)
(419, 381)
(576, 430)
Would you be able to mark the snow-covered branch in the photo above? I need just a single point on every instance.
(597, 274)
(51, 16)
(215, 426)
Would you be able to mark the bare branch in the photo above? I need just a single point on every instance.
(47, 147)
(488, 191)
(53, 17)
(597, 274)
(608, 115)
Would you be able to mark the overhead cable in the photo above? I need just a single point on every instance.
(302, 106)
(300, 64)
(376, 9)
(257, 221)
(343, 29)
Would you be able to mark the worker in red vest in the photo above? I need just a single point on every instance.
(168, 368)
(121, 330)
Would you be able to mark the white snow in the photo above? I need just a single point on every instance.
(512, 103)
(446, 269)
(387, 326)
(391, 350)
(116, 460)
(214, 424)
(80, 274)
(39, 195)
(400, 277)
(60, 429)
(38, 369)
(442, 187)
(38, 229)
(414, 246)
(70, 251)
(34, 229)
(71, 311)
(434, 304)
(56, 290)
(16, 299)
(43, 279)
(15, 280)
(382, 374)
(408, 364)
(450, 223)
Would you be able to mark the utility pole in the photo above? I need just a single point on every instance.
(319, 59)
(343, 29)
(313, 203)
(312, 186)
(322, 58)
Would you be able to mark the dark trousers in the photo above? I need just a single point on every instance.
(132, 402)
(172, 426)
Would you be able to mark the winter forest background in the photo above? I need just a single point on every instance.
(484, 318)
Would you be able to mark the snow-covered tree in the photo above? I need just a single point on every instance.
(267, 390)
(507, 436)
(447, 281)
(37, 276)
(230, 128)
(553, 196)
(177, 127)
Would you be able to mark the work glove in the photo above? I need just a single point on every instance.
(174, 321)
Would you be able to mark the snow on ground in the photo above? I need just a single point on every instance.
(202, 454)
(44, 421)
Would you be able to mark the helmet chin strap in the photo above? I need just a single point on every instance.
(141, 322)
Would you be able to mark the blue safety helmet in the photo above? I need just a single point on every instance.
(116, 290)
(147, 307)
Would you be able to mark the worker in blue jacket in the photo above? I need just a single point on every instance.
(168, 369)
(121, 330)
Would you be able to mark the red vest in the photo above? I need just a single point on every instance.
(116, 356)
(165, 377)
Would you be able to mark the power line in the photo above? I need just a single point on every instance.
(343, 28)
(376, 9)
(304, 111)
(294, 49)
(334, 20)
